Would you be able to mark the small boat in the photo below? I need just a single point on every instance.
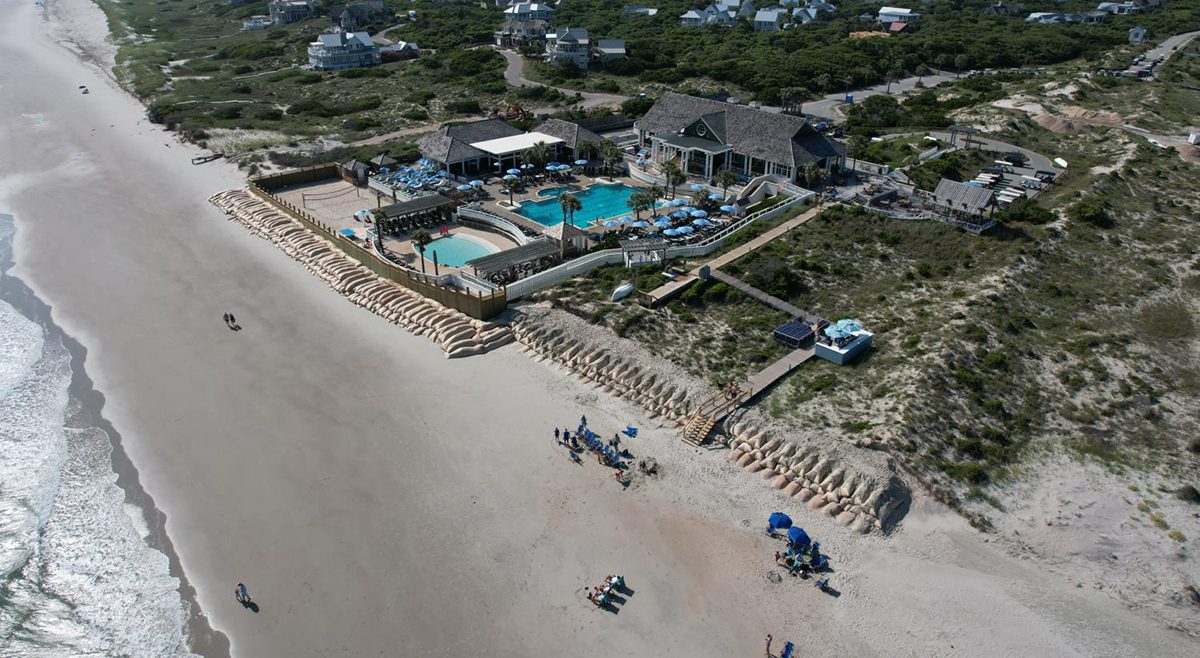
(622, 291)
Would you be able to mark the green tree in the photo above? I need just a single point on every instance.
(539, 154)
(725, 178)
(421, 239)
(674, 176)
(702, 198)
(585, 149)
(1090, 212)
(962, 62)
(611, 154)
(569, 203)
(812, 174)
(893, 75)
(655, 193)
(639, 201)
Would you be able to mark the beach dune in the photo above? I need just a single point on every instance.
(379, 499)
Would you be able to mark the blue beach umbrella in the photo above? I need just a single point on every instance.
(581, 162)
(684, 230)
(476, 183)
(640, 224)
(513, 172)
(611, 222)
(779, 521)
(679, 214)
(671, 232)
(463, 188)
(626, 218)
(348, 232)
(700, 222)
(663, 223)
(728, 208)
(696, 187)
(698, 213)
(798, 537)
(510, 177)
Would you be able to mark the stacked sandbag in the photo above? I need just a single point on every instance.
(852, 499)
(616, 374)
(457, 333)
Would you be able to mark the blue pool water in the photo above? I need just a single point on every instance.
(552, 191)
(455, 250)
(599, 202)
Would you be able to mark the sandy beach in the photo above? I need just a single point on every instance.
(379, 499)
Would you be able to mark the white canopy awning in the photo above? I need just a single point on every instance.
(515, 143)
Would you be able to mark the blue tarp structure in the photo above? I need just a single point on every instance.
(843, 328)
(779, 521)
(348, 232)
(798, 537)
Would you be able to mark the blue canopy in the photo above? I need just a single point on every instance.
(698, 213)
(797, 536)
(843, 328)
(463, 188)
(476, 183)
(700, 222)
(611, 222)
(640, 224)
(728, 208)
(675, 203)
(553, 164)
(510, 177)
(688, 209)
(671, 232)
(581, 162)
(679, 214)
(684, 230)
(348, 232)
(662, 222)
(779, 521)
(514, 172)
(626, 218)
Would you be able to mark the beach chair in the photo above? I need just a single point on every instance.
(787, 650)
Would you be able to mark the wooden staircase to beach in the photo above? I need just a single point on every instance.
(710, 412)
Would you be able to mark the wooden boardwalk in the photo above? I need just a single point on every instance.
(769, 300)
(763, 379)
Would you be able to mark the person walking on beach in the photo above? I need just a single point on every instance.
(241, 594)
(556, 434)
(232, 320)
(226, 319)
(583, 421)
(769, 646)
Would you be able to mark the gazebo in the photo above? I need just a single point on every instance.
(566, 234)
(645, 250)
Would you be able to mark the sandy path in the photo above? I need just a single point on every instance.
(380, 500)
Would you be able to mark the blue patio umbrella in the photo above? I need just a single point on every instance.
(513, 172)
(554, 163)
(684, 230)
(581, 162)
(663, 223)
(679, 214)
(611, 222)
(688, 209)
(798, 537)
(476, 183)
(779, 521)
(698, 213)
(348, 232)
(700, 222)
(625, 218)
(463, 188)
(510, 177)
(676, 203)
(672, 232)
(696, 187)
(728, 208)
(640, 224)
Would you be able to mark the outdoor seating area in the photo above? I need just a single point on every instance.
(802, 557)
(411, 181)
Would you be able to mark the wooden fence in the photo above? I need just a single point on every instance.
(482, 306)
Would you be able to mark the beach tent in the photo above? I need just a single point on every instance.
(779, 521)
(798, 537)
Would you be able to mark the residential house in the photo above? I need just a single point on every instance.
(257, 23)
(399, 50)
(529, 11)
(569, 45)
(896, 15)
(811, 12)
(1048, 17)
(723, 12)
(769, 20)
(896, 28)
(608, 50)
(1002, 8)
(693, 18)
(1119, 8)
(635, 10)
(1093, 16)
(358, 15)
(1137, 35)
(515, 34)
(342, 50)
(704, 136)
(283, 12)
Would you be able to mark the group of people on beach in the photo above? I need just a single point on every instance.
(607, 453)
(602, 595)
(803, 561)
(232, 322)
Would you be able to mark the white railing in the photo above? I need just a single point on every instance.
(479, 215)
(477, 283)
(584, 264)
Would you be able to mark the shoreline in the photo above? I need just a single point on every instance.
(200, 637)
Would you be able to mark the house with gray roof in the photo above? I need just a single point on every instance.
(704, 136)
(571, 134)
(342, 50)
(489, 147)
(358, 15)
(769, 20)
(962, 198)
(283, 12)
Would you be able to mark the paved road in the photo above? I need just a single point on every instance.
(1035, 160)
(1168, 47)
(828, 108)
(514, 75)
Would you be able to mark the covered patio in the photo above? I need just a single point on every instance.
(697, 156)
(513, 264)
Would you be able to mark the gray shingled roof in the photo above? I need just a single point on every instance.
(772, 136)
(960, 196)
(453, 143)
(570, 133)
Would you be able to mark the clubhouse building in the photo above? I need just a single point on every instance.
(492, 146)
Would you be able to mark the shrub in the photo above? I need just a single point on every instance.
(416, 114)
(1188, 493)
(469, 106)
(1027, 210)
(420, 97)
(361, 123)
(249, 51)
(1090, 212)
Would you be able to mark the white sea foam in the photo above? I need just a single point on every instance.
(76, 575)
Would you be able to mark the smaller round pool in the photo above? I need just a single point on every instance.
(552, 191)
(456, 249)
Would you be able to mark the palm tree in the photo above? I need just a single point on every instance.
(421, 239)
(811, 173)
(585, 149)
(539, 154)
(569, 203)
(725, 178)
(943, 62)
(655, 193)
(639, 201)
(702, 198)
(826, 81)
(611, 154)
(893, 75)
(674, 175)
(961, 62)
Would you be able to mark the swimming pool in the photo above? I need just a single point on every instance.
(552, 191)
(599, 202)
(456, 249)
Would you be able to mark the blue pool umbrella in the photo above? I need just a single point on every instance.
(348, 232)
(671, 232)
(476, 183)
(611, 222)
(700, 222)
(581, 162)
(510, 177)
(696, 187)
(640, 224)
(679, 214)
(663, 223)
(514, 172)
(797, 536)
(554, 163)
(684, 230)
(463, 188)
(779, 521)
(698, 213)
(626, 218)
(728, 208)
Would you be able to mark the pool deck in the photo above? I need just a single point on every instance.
(498, 203)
